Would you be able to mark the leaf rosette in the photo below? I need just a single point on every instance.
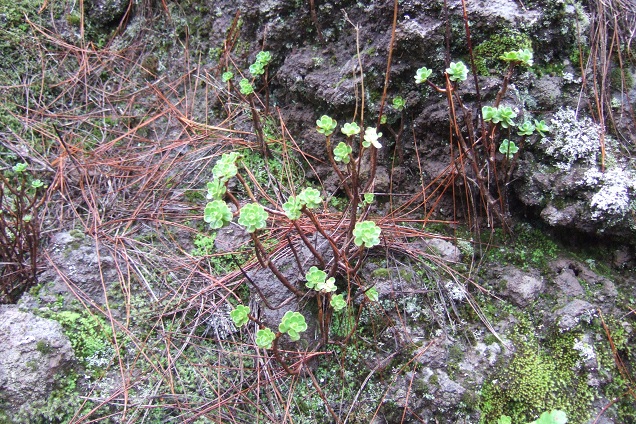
(240, 315)
(293, 323)
(253, 217)
(264, 338)
(326, 125)
(366, 234)
(217, 214)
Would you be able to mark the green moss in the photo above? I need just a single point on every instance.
(487, 53)
(43, 347)
(620, 80)
(537, 379)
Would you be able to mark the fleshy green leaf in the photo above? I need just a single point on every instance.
(253, 217)
(350, 128)
(292, 208)
(366, 234)
(240, 315)
(326, 125)
(422, 74)
(457, 71)
(257, 69)
(508, 148)
(310, 197)
(371, 137)
(337, 302)
(216, 189)
(264, 57)
(225, 168)
(342, 152)
(292, 323)
(525, 129)
(541, 127)
(19, 167)
(245, 86)
(227, 76)
(264, 338)
(399, 103)
(217, 214)
(372, 294)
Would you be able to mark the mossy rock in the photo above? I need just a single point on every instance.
(487, 53)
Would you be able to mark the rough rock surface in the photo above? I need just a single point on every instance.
(522, 288)
(34, 352)
(79, 267)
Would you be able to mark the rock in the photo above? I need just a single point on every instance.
(522, 288)
(567, 282)
(447, 392)
(106, 13)
(34, 351)
(571, 314)
(434, 353)
(78, 267)
(443, 248)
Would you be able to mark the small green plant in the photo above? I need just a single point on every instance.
(265, 338)
(257, 69)
(399, 103)
(422, 75)
(225, 167)
(525, 129)
(293, 208)
(337, 302)
(264, 57)
(541, 127)
(508, 148)
(457, 71)
(218, 214)
(350, 129)
(368, 198)
(521, 57)
(342, 152)
(253, 217)
(502, 115)
(372, 294)
(245, 86)
(240, 315)
(227, 76)
(292, 324)
(310, 197)
(317, 280)
(326, 125)
(366, 234)
(216, 189)
(553, 417)
(371, 136)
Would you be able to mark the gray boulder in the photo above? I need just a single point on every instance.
(34, 352)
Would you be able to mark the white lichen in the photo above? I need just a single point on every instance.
(585, 350)
(572, 139)
(612, 198)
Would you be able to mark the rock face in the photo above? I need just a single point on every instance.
(34, 352)
(79, 267)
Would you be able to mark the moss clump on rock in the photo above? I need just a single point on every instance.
(487, 53)
(537, 380)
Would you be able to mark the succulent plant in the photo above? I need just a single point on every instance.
(240, 315)
(292, 323)
(217, 214)
(350, 128)
(366, 234)
(253, 217)
(326, 125)
(264, 338)
(342, 152)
